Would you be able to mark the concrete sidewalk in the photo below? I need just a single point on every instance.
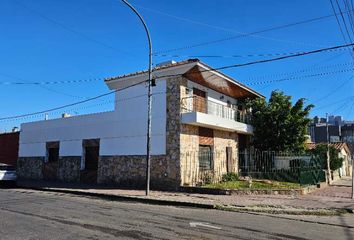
(336, 196)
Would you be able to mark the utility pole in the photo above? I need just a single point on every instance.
(329, 174)
(148, 140)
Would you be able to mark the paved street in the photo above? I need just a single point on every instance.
(336, 196)
(29, 214)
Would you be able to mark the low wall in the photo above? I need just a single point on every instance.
(130, 171)
(69, 169)
(30, 167)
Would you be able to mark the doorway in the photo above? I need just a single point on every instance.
(89, 167)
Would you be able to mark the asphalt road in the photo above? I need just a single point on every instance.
(29, 214)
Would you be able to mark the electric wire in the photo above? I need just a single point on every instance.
(245, 35)
(207, 70)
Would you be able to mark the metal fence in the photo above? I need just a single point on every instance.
(301, 168)
(202, 167)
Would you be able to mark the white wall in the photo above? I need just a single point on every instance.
(121, 132)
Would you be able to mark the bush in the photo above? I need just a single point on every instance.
(228, 177)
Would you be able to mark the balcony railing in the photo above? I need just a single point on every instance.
(200, 104)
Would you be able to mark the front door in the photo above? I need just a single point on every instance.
(91, 156)
(50, 167)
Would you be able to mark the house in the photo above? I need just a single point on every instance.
(9, 147)
(343, 152)
(199, 123)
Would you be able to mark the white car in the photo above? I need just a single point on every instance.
(8, 174)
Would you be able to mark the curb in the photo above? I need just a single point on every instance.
(126, 198)
(123, 198)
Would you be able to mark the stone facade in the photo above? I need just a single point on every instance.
(30, 167)
(189, 154)
(174, 94)
(191, 174)
(130, 171)
(69, 169)
(222, 140)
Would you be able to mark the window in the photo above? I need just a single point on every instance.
(205, 157)
(52, 152)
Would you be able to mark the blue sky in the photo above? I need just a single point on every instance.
(52, 40)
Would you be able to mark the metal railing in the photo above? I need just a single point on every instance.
(200, 104)
(201, 167)
(281, 166)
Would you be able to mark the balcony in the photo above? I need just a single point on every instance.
(202, 112)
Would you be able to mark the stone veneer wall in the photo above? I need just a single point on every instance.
(189, 150)
(30, 167)
(191, 175)
(223, 139)
(175, 91)
(189, 154)
(165, 169)
(69, 168)
(130, 171)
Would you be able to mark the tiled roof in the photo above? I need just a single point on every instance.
(155, 69)
(337, 145)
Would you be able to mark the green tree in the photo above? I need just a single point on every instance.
(321, 151)
(279, 125)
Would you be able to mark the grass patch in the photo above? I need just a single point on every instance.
(255, 185)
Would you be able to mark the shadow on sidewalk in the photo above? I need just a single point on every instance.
(73, 186)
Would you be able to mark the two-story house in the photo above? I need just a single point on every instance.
(199, 122)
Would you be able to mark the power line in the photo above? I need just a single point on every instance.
(300, 77)
(332, 91)
(23, 81)
(340, 27)
(269, 60)
(82, 108)
(336, 102)
(345, 24)
(234, 56)
(173, 75)
(51, 82)
(69, 105)
(299, 71)
(349, 15)
(220, 28)
(246, 34)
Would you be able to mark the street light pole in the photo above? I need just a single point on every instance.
(148, 141)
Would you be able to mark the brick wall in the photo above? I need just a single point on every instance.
(9, 148)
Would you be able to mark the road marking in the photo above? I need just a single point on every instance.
(201, 224)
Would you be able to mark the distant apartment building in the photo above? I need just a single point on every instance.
(318, 132)
(339, 130)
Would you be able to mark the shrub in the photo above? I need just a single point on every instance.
(228, 177)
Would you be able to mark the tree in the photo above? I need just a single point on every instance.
(320, 151)
(279, 125)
